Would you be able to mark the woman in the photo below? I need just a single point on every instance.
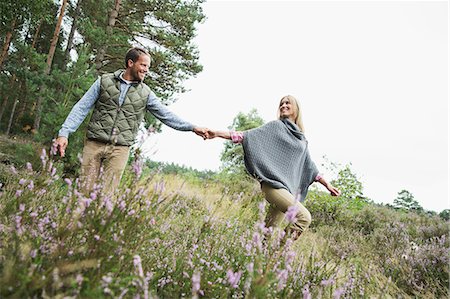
(277, 155)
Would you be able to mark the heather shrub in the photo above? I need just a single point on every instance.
(168, 236)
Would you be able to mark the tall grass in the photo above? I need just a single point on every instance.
(168, 237)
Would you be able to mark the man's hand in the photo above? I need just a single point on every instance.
(203, 132)
(61, 145)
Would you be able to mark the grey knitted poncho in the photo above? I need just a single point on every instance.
(277, 153)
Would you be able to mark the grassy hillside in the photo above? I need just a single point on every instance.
(175, 236)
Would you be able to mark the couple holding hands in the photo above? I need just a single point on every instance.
(276, 154)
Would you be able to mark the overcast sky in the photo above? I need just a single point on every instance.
(371, 77)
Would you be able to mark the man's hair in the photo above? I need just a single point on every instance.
(134, 54)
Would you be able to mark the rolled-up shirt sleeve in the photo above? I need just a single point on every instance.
(237, 137)
(80, 110)
(160, 111)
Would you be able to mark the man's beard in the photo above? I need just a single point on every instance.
(135, 76)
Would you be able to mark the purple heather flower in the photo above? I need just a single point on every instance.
(338, 293)
(306, 293)
(53, 149)
(79, 279)
(138, 265)
(31, 185)
(327, 282)
(13, 170)
(96, 237)
(196, 282)
(291, 214)
(250, 267)
(44, 157)
(22, 181)
(68, 181)
(21, 207)
(29, 166)
(282, 279)
(19, 192)
(233, 278)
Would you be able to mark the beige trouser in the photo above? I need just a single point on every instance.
(280, 200)
(105, 161)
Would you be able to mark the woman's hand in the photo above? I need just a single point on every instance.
(212, 134)
(333, 190)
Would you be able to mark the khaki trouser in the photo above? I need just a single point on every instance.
(280, 200)
(104, 161)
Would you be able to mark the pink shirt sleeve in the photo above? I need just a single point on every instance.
(237, 137)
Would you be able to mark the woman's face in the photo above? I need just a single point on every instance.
(288, 109)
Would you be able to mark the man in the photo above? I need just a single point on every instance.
(120, 100)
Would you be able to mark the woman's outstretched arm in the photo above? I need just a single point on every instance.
(222, 134)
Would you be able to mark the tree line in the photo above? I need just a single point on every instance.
(52, 51)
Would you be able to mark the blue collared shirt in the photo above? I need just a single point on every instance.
(87, 102)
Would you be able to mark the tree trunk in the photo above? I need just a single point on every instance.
(72, 34)
(51, 53)
(5, 99)
(11, 117)
(7, 43)
(109, 29)
(36, 34)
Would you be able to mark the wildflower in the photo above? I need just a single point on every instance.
(13, 170)
(19, 192)
(138, 265)
(250, 267)
(44, 157)
(22, 181)
(327, 282)
(291, 214)
(262, 206)
(137, 166)
(96, 237)
(30, 185)
(306, 293)
(29, 166)
(338, 293)
(282, 278)
(21, 207)
(33, 253)
(195, 283)
(79, 279)
(68, 181)
(53, 149)
(233, 278)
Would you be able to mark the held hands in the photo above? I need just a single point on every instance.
(203, 132)
(61, 144)
(206, 133)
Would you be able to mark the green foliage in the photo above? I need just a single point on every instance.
(232, 156)
(165, 28)
(405, 200)
(154, 240)
(445, 214)
(330, 209)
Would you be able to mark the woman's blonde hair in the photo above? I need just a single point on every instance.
(296, 105)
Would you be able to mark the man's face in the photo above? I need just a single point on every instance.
(139, 68)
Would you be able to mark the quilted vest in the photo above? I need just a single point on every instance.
(112, 123)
